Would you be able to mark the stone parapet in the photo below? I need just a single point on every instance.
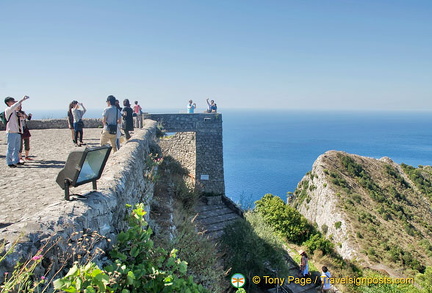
(58, 124)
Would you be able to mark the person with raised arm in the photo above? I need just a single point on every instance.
(13, 131)
(211, 106)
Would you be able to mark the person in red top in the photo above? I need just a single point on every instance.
(137, 115)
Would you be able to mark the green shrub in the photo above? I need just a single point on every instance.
(425, 280)
(284, 219)
(324, 228)
(137, 266)
(354, 169)
(318, 242)
(421, 177)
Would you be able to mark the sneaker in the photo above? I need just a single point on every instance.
(20, 163)
(13, 166)
(76, 145)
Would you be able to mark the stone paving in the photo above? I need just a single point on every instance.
(31, 188)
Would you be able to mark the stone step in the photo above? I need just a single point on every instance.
(217, 217)
(214, 214)
(219, 225)
(206, 208)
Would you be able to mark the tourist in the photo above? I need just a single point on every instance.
(325, 280)
(304, 264)
(119, 126)
(111, 118)
(13, 131)
(191, 107)
(137, 115)
(78, 112)
(25, 134)
(211, 106)
(71, 120)
(127, 118)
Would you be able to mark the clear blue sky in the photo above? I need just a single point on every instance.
(332, 54)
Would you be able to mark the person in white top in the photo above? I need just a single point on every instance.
(325, 280)
(78, 124)
(191, 107)
(13, 131)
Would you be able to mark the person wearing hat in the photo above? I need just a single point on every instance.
(111, 117)
(13, 131)
(304, 264)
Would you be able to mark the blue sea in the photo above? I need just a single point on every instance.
(270, 151)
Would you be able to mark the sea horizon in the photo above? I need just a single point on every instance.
(269, 151)
(97, 113)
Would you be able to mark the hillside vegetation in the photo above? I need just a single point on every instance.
(375, 211)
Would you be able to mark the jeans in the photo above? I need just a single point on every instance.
(13, 147)
(78, 133)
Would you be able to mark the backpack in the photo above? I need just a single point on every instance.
(3, 118)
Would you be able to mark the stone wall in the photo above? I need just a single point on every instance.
(57, 123)
(208, 146)
(182, 147)
(124, 181)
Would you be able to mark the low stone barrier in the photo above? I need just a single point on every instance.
(57, 124)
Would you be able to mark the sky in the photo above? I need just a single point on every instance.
(244, 54)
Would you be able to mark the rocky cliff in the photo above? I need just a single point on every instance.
(375, 211)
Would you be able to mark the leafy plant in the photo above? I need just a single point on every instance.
(89, 278)
(284, 219)
(138, 266)
(318, 242)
